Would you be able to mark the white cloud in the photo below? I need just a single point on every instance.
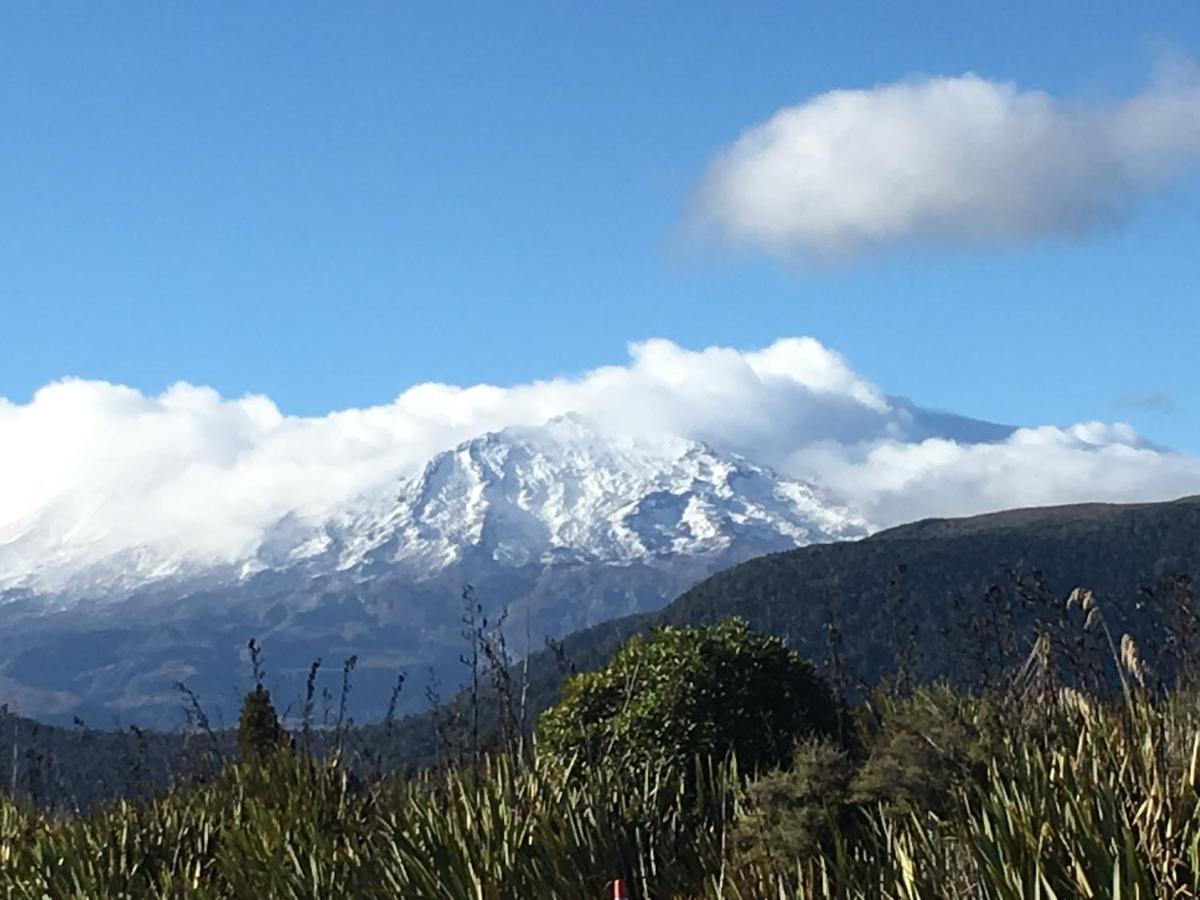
(891, 481)
(959, 159)
(91, 471)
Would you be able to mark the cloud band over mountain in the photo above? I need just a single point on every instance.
(91, 470)
(958, 160)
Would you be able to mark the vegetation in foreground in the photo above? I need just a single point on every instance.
(1046, 783)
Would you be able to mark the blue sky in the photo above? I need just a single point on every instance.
(327, 203)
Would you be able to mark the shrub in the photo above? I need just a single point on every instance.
(790, 814)
(688, 692)
(923, 749)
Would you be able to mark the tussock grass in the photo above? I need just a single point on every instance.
(1092, 799)
(290, 827)
(1049, 785)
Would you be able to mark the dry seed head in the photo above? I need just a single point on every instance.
(1130, 661)
(1074, 701)
(1092, 619)
(1088, 601)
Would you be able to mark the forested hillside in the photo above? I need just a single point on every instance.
(926, 590)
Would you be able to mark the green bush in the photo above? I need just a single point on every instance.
(688, 692)
(921, 749)
(791, 814)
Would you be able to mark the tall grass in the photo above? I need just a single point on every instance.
(1046, 788)
(1080, 795)
(292, 828)
(1084, 799)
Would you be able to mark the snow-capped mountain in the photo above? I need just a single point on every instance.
(559, 524)
(563, 492)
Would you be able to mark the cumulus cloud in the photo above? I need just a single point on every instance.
(92, 472)
(961, 159)
(892, 481)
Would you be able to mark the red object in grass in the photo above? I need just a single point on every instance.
(619, 892)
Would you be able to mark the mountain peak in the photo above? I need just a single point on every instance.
(523, 495)
(564, 490)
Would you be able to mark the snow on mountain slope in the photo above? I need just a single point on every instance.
(562, 491)
(520, 496)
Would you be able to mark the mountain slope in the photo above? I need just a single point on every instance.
(559, 525)
(563, 492)
(1117, 550)
(949, 583)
